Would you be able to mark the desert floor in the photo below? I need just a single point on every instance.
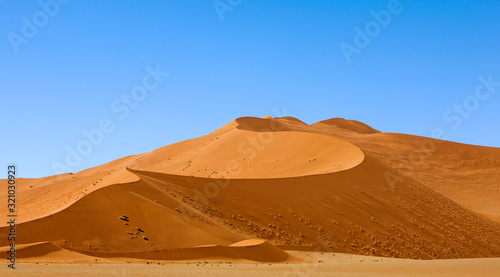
(326, 264)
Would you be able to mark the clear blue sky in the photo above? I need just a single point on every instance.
(248, 58)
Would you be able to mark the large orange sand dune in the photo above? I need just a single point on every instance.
(335, 185)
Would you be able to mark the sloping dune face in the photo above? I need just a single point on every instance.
(46, 196)
(468, 174)
(256, 148)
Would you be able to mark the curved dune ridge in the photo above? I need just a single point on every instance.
(45, 252)
(260, 185)
(255, 148)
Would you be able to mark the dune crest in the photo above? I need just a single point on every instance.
(350, 125)
(255, 148)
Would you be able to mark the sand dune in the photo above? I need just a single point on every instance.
(258, 186)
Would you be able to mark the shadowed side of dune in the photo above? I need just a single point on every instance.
(292, 124)
(358, 210)
(350, 125)
(254, 250)
(124, 217)
(269, 124)
(468, 174)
